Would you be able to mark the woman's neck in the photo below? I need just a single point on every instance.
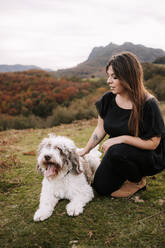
(123, 101)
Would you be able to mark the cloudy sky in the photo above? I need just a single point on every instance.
(61, 33)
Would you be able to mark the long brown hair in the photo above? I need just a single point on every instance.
(128, 69)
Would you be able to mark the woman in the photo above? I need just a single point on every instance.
(131, 117)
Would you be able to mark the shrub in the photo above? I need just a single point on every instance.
(20, 122)
(157, 86)
(78, 110)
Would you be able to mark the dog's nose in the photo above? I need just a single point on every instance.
(47, 157)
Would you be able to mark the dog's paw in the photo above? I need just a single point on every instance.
(41, 215)
(74, 210)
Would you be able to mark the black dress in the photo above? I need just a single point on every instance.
(123, 161)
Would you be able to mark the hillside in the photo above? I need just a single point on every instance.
(106, 222)
(36, 99)
(38, 93)
(18, 67)
(94, 66)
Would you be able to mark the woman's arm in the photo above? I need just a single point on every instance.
(96, 137)
(150, 144)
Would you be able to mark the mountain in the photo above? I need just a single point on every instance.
(18, 67)
(94, 66)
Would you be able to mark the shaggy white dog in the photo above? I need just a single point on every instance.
(66, 176)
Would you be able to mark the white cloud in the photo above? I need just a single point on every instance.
(61, 33)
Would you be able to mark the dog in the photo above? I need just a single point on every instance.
(66, 176)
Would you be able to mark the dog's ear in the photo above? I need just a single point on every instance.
(74, 158)
(69, 155)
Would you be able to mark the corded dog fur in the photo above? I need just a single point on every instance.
(66, 176)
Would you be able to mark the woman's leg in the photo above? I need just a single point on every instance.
(122, 162)
(106, 179)
(131, 162)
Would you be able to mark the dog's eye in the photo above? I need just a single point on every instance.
(59, 149)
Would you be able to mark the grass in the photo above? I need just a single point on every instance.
(124, 223)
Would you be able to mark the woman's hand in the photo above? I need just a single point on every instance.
(112, 141)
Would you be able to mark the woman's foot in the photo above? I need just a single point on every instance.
(130, 188)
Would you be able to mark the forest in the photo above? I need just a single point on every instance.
(37, 99)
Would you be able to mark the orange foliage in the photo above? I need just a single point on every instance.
(32, 91)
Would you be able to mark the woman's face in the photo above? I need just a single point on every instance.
(114, 83)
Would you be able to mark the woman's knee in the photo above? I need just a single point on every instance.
(118, 151)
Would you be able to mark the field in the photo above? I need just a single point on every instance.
(138, 222)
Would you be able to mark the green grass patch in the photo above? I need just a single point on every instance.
(105, 222)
